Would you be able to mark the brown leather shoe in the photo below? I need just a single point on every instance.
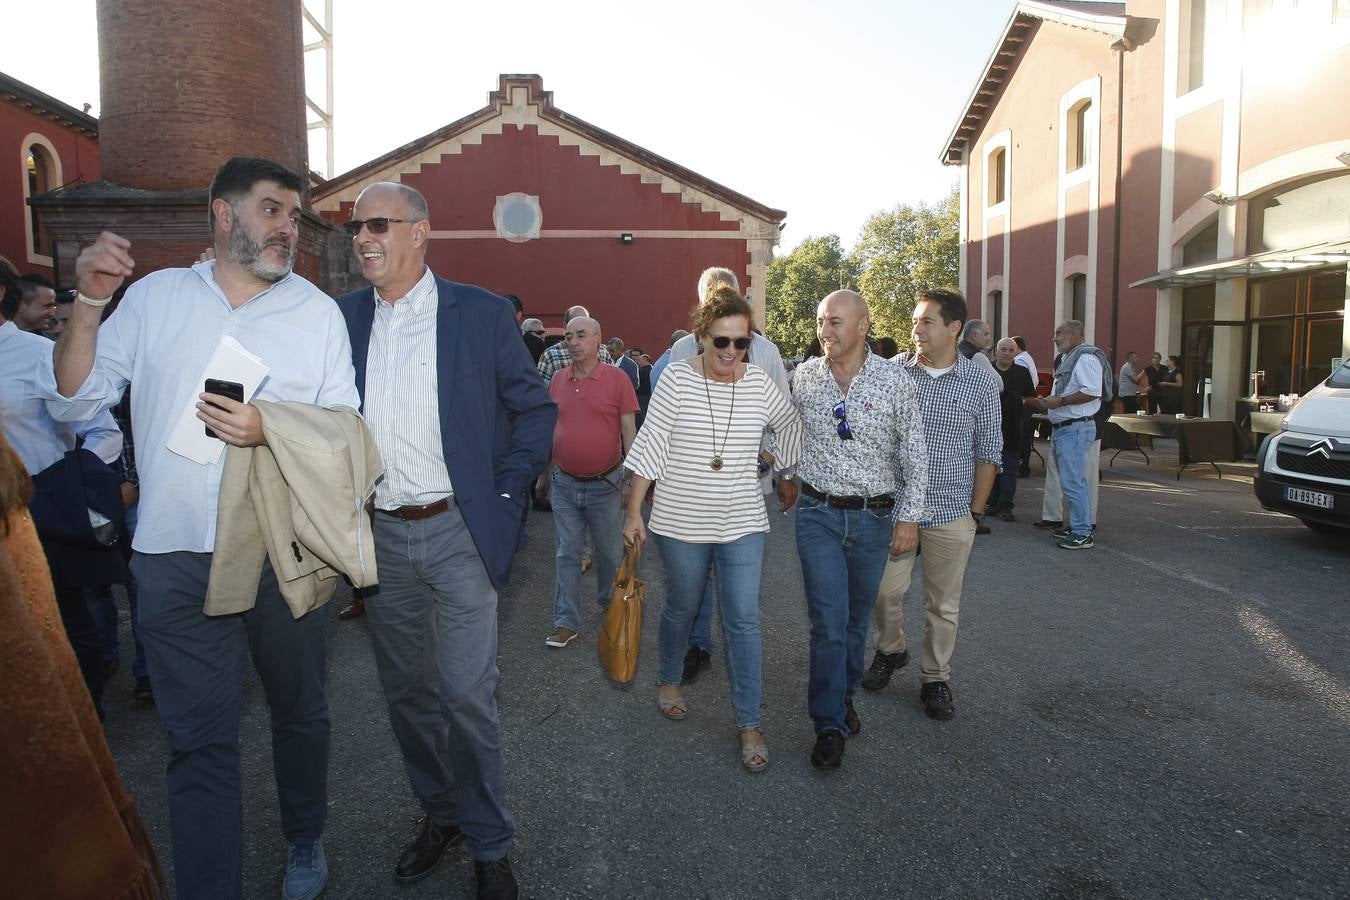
(355, 610)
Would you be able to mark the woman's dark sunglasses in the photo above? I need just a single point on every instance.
(378, 225)
(722, 342)
(841, 413)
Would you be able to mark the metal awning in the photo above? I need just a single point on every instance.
(1325, 255)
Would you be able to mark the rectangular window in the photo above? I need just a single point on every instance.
(1077, 145)
(1191, 43)
(995, 314)
(998, 176)
(1078, 292)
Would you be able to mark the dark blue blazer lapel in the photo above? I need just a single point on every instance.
(447, 337)
(362, 319)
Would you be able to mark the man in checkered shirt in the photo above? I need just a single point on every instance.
(963, 427)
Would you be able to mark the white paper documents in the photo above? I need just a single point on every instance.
(230, 362)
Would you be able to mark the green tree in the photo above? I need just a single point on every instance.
(902, 251)
(796, 283)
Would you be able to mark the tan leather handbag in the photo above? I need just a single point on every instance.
(621, 635)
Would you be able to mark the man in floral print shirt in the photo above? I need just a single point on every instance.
(863, 480)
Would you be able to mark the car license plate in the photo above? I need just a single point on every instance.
(1308, 498)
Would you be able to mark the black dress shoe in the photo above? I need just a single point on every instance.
(493, 880)
(882, 668)
(1048, 523)
(851, 718)
(695, 661)
(354, 610)
(828, 752)
(425, 852)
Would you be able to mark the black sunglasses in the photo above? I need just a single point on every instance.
(841, 413)
(722, 342)
(377, 225)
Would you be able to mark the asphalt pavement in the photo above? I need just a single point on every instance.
(1167, 715)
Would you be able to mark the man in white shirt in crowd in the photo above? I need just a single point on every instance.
(463, 425)
(168, 325)
(1072, 407)
(41, 442)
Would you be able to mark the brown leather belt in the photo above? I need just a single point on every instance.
(599, 477)
(414, 513)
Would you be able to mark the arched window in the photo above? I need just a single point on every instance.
(1078, 147)
(42, 170)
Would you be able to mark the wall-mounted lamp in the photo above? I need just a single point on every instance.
(626, 238)
(1220, 198)
(1343, 158)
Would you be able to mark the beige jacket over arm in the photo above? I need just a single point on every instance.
(299, 500)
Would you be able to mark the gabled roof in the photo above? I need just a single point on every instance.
(48, 107)
(1107, 18)
(519, 98)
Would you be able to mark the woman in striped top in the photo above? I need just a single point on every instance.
(700, 445)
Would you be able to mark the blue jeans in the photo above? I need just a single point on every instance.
(738, 565)
(433, 625)
(1006, 485)
(578, 507)
(1070, 445)
(701, 634)
(843, 553)
(197, 663)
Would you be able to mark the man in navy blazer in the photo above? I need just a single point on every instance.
(464, 423)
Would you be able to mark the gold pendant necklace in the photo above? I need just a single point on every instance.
(716, 462)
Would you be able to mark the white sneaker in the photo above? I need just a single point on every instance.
(560, 637)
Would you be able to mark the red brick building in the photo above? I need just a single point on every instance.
(529, 200)
(44, 144)
(1174, 174)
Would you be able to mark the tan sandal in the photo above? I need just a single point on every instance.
(754, 751)
(673, 708)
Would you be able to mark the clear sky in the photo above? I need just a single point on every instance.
(829, 110)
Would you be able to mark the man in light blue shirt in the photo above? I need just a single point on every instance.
(166, 329)
(41, 442)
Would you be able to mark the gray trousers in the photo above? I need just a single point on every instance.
(197, 664)
(433, 622)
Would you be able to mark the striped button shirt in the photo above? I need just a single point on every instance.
(401, 409)
(686, 425)
(886, 454)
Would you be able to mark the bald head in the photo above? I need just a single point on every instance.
(574, 311)
(583, 339)
(1004, 353)
(842, 321)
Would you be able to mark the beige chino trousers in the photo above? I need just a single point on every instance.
(946, 550)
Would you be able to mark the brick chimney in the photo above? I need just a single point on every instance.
(182, 91)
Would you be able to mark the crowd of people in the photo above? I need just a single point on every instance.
(467, 417)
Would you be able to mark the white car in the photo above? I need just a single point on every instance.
(1304, 469)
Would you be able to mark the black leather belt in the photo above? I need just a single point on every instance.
(599, 477)
(414, 513)
(1056, 425)
(881, 501)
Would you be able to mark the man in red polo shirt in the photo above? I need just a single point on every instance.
(584, 480)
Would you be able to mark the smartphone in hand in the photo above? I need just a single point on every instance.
(232, 389)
